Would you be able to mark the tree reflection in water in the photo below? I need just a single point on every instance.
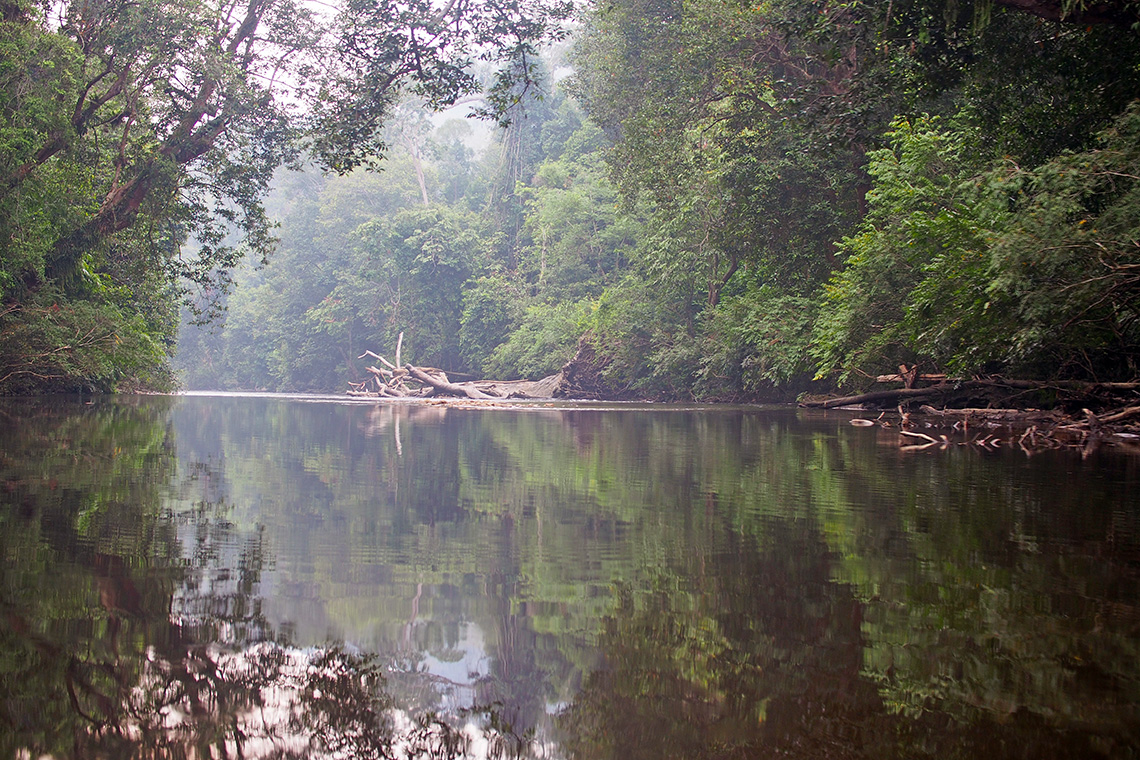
(265, 701)
(613, 585)
(747, 651)
(757, 652)
(124, 628)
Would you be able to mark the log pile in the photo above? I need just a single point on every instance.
(988, 392)
(411, 382)
(394, 380)
(994, 411)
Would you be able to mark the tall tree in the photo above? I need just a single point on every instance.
(133, 127)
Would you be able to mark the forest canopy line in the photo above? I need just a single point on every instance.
(723, 200)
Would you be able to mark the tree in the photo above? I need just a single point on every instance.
(418, 262)
(162, 122)
(577, 241)
(740, 135)
(917, 264)
(1066, 264)
(195, 99)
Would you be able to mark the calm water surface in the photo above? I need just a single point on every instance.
(293, 577)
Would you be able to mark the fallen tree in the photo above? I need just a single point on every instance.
(441, 384)
(410, 381)
(580, 378)
(994, 391)
(994, 412)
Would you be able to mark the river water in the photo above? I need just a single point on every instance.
(227, 576)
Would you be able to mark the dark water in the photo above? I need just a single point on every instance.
(269, 577)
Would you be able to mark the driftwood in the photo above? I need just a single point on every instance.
(909, 377)
(1123, 414)
(378, 358)
(389, 380)
(992, 429)
(889, 397)
(400, 384)
(966, 389)
(580, 378)
(897, 378)
(444, 385)
(1082, 415)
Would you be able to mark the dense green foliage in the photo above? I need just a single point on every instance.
(138, 140)
(976, 269)
(831, 237)
(733, 201)
(727, 200)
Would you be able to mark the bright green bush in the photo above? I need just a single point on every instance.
(544, 341)
(912, 287)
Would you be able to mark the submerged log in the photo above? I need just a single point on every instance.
(1036, 414)
(999, 415)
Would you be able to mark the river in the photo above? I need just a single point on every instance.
(271, 576)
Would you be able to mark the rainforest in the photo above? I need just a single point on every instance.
(716, 199)
(228, 226)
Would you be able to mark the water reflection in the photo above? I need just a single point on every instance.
(271, 577)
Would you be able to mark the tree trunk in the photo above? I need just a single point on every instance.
(444, 386)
